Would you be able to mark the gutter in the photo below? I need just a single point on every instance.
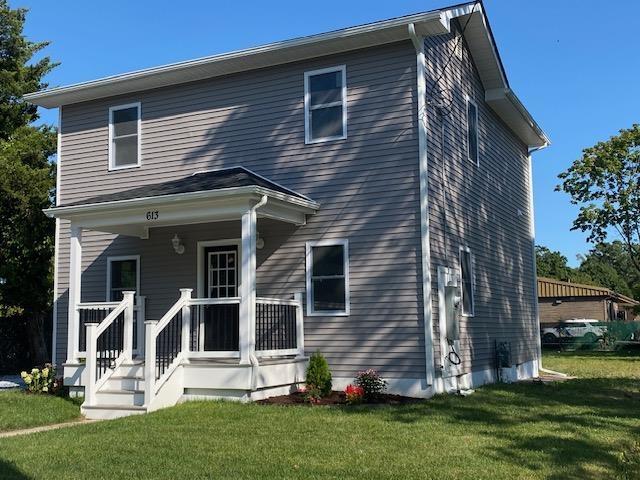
(418, 44)
(253, 359)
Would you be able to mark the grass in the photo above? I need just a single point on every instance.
(20, 410)
(586, 428)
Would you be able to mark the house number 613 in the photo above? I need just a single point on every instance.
(152, 215)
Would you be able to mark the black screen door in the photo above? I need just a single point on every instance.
(221, 326)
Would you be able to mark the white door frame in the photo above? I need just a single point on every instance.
(200, 273)
(216, 243)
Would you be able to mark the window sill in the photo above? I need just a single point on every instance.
(324, 140)
(124, 167)
(327, 314)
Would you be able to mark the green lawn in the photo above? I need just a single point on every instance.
(19, 410)
(581, 429)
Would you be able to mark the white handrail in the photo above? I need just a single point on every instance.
(276, 301)
(97, 305)
(94, 330)
(172, 312)
(214, 301)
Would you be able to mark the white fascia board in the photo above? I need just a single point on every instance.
(507, 105)
(64, 212)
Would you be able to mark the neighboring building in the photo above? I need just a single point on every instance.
(333, 192)
(559, 300)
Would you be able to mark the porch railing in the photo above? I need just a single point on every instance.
(96, 312)
(209, 327)
(108, 344)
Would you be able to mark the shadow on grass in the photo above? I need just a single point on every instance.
(8, 471)
(583, 427)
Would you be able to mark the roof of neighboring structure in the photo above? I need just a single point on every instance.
(552, 288)
(233, 177)
(477, 33)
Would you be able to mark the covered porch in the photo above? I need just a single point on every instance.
(219, 324)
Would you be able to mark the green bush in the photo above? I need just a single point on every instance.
(319, 374)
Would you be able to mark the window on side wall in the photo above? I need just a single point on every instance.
(466, 274)
(325, 104)
(472, 131)
(123, 274)
(328, 277)
(124, 136)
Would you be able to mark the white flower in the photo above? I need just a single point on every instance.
(45, 389)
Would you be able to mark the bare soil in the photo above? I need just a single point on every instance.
(337, 398)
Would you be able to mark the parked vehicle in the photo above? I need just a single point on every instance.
(587, 330)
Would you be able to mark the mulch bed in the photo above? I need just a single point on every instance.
(337, 398)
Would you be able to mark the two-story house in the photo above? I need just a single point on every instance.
(364, 192)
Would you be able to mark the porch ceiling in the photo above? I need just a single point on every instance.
(203, 197)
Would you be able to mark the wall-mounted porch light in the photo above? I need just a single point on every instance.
(177, 245)
(259, 241)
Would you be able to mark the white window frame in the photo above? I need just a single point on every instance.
(309, 270)
(120, 258)
(472, 275)
(466, 116)
(115, 108)
(307, 104)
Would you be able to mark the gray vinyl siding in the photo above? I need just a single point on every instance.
(485, 208)
(367, 186)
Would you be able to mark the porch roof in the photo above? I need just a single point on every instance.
(207, 196)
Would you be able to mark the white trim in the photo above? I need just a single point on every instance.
(176, 197)
(56, 246)
(472, 278)
(200, 246)
(309, 266)
(119, 258)
(425, 242)
(477, 130)
(532, 233)
(115, 108)
(308, 107)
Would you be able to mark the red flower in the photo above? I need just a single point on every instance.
(353, 390)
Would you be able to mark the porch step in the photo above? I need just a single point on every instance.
(106, 412)
(126, 398)
(133, 368)
(121, 382)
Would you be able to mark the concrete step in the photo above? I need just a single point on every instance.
(122, 382)
(127, 398)
(105, 412)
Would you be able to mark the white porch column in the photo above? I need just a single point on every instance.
(75, 270)
(247, 332)
(128, 325)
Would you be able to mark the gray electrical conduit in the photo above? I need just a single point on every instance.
(253, 359)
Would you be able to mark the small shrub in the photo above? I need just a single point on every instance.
(42, 380)
(312, 395)
(371, 383)
(354, 394)
(318, 375)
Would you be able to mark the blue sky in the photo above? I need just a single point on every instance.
(572, 62)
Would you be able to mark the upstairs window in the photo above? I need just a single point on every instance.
(466, 273)
(123, 273)
(472, 131)
(328, 277)
(325, 104)
(124, 136)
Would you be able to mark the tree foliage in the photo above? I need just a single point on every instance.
(18, 75)
(27, 180)
(605, 183)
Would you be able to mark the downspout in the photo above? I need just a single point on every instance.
(253, 359)
(421, 85)
(56, 246)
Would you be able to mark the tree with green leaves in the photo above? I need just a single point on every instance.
(552, 264)
(27, 182)
(605, 183)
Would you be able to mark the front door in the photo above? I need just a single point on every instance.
(221, 271)
(220, 321)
